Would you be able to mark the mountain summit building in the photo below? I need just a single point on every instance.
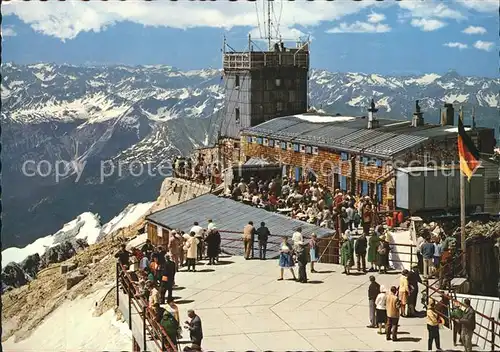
(263, 85)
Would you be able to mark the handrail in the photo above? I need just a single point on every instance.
(494, 323)
(156, 328)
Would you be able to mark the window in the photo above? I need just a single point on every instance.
(283, 145)
(364, 188)
(378, 163)
(315, 150)
(237, 81)
(493, 186)
(259, 140)
(271, 143)
(290, 146)
(302, 148)
(344, 156)
(237, 115)
(365, 160)
(236, 145)
(291, 96)
(249, 139)
(279, 106)
(278, 82)
(343, 183)
(266, 142)
(379, 193)
(295, 147)
(308, 149)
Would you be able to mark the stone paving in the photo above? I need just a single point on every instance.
(243, 307)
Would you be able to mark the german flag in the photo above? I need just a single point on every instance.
(467, 151)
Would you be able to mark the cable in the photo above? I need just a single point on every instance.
(258, 20)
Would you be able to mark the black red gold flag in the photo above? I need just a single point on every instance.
(467, 151)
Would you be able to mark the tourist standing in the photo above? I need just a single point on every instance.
(191, 247)
(313, 251)
(413, 280)
(427, 251)
(286, 259)
(360, 250)
(263, 236)
(248, 238)
(404, 291)
(198, 233)
(213, 241)
(433, 325)
(297, 237)
(380, 306)
(347, 253)
(374, 242)
(392, 307)
(383, 255)
(373, 291)
(195, 330)
(302, 261)
(468, 324)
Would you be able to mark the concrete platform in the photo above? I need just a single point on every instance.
(243, 307)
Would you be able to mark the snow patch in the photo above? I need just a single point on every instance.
(454, 98)
(356, 101)
(85, 226)
(324, 118)
(424, 80)
(71, 327)
(127, 217)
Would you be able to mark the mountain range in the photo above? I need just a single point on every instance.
(132, 118)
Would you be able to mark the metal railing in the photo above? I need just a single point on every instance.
(431, 291)
(149, 323)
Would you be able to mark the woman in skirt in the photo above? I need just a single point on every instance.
(286, 259)
(380, 306)
(313, 251)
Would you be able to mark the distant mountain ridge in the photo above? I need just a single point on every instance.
(148, 114)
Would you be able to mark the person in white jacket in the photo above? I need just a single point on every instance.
(191, 248)
(380, 306)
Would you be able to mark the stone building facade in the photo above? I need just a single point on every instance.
(360, 169)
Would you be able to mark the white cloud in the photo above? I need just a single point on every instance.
(474, 30)
(376, 17)
(427, 25)
(8, 32)
(286, 34)
(67, 20)
(457, 45)
(360, 27)
(429, 9)
(486, 46)
(487, 6)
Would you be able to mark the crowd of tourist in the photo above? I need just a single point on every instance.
(308, 201)
(386, 307)
(154, 273)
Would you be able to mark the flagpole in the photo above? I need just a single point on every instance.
(462, 217)
(462, 209)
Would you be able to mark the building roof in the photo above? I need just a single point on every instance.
(349, 133)
(229, 215)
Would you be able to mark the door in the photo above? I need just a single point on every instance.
(364, 188)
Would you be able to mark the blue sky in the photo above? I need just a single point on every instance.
(407, 37)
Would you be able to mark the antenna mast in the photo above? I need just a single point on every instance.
(269, 24)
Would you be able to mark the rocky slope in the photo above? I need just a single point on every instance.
(117, 128)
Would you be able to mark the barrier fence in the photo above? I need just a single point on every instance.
(452, 301)
(149, 323)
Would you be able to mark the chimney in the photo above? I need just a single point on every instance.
(418, 116)
(372, 121)
(448, 115)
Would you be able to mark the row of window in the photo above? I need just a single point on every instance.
(301, 148)
(270, 84)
